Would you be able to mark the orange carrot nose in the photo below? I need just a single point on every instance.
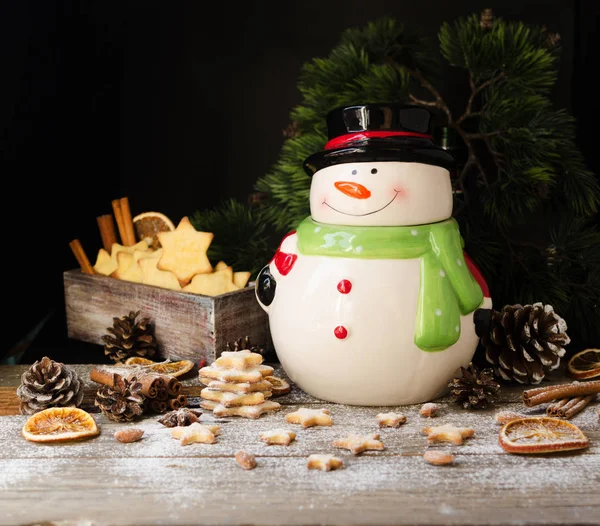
(358, 191)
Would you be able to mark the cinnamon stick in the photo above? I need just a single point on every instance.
(182, 399)
(576, 407)
(107, 231)
(533, 397)
(81, 256)
(173, 386)
(174, 404)
(153, 383)
(552, 409)
(127, 221)
(162, 394)
(116, 205)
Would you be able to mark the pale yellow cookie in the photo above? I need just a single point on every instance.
(213, 372)
(232, 399)
(309, 417)
(324, 462)
(240, 279)
(211, 283)
(390, 419)
(128, 268)
(240, 360)
(152, 275)
(359, 443)
(447, 433)
(184, 251)
(196, 432)
(279, 437)
(239, 388)
(245, 411)
(104, 263)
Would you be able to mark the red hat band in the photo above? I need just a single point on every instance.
(348, 139)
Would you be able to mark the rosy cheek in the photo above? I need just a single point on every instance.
(400, 192)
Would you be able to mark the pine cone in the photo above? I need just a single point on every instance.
(49, 384)
(122, 402)
(524, 343)
(130, 338)
(475, 389)
(244, 343)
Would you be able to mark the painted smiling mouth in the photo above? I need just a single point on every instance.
(368, 213)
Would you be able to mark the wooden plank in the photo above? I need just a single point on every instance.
(244, 433)
(370, 490)
(156, 480)
(187, 326)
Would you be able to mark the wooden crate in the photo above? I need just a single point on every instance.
(187, 326)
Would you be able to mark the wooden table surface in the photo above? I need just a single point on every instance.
(158, 481)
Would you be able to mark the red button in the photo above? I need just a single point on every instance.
(344, 286)
(340, 332)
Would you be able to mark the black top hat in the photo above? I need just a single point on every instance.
(379, 132)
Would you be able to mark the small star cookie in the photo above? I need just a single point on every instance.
(238, 388)
(390, 419)
(246, 411)
(232, 399)
(447, 433)
(324, 462)
(196, 432)
(240, 360)
(359, 443)
(309, 417)
(211, 283)
(212, 372)
(184, 251)
(278, 437)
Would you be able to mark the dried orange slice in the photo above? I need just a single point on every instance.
(149, 224)
(584, 364)
(280, 386)
(541, 434)
(138, 360)
(169, 368)
(60, 424)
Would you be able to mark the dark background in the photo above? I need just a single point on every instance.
(179, 105)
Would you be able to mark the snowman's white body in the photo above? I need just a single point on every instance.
(374, 301)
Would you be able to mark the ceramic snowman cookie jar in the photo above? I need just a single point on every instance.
(370, 300)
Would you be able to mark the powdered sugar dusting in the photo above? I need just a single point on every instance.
(201, 483)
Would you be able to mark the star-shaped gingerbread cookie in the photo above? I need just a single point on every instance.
(324, 462)
(390, 419)
(245, 411)
(359, 443)
(184, 251)
(278, 437)
(240, 360)
(447, 433)
(309, 417)
(196, 432)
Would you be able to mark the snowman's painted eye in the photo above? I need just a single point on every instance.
(354, 172)
(374, 171)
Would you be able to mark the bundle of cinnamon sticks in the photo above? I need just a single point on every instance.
(106, 225)
(162, 392)
(566, 400)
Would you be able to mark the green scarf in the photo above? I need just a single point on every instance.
(448, 290)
